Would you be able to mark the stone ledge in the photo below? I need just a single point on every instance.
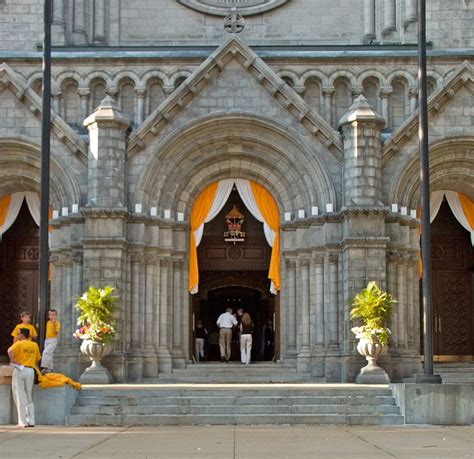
(435, 404)
(51, 405)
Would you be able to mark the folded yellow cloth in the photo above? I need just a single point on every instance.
(56, 380)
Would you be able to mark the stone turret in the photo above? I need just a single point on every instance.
(361, 128)
(107, 156)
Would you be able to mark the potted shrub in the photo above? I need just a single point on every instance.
(96, 330)
(371, 309)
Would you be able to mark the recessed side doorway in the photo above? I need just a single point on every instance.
(235, 275)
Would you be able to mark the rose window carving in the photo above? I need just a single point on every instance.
(224, 7)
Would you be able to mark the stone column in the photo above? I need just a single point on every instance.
(412, 287)
(150, 369)
(58, 37)
(106, 215)
(361, 127)
(84, 103)
(402, 304)
(385, 95)
(413, 95)
(303, 316)
(177, 309)
(392, 289)
(389, 16)
(98, 37)
(79, 35)
(327, 94)
(291, 312)
(369, 20)
(411, 13)
(320, 319)
(140, 98)
(333, 315)
(67, 323)
(56, 100)
(164, 357)
(135, 360)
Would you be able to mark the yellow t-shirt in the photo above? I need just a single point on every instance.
(52, 330)
(26, 353)
(30, 327)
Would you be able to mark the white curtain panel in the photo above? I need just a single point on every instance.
(33, 201)
(13, 211)
(456, 208)
(223, 191)
(436, 199)
(245, 192)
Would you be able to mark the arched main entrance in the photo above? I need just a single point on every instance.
(235, 274)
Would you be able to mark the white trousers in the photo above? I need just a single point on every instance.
(245, 348)
(199, 349)
(50, 345)
(22, 386)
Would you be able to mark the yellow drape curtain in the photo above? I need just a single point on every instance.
(467, 208)
(199, 211)
(4, 206)
(269, 210)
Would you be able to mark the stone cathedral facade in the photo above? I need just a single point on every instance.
(315, 100)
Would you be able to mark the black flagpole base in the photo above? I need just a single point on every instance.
(427, 379)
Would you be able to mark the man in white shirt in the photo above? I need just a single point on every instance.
(225, 322)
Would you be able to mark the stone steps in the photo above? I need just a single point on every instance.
(455, 373)
(246, 404)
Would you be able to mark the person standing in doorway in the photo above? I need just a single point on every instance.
(50, 343)
(225, 322)
(200, 337)
(246, 329)
(25, 317)
(24, 356)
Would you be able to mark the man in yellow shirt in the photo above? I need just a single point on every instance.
(50, 343)
(24, 356)
(25, 317)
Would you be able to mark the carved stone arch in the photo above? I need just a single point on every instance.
(20, 171)
(97, 74)
(371, 73)
(436, 77)
(180, 75)
(451, 168)
(238, 145)
(347, 74)
(400, 74)
(121, 75)
(35, 81)
(290, 77)
(155, 74)
(322, 77)
(253, 282)
(61, 77)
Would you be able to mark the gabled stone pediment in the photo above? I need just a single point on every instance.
(209, 71)
(464, 76)
(10, 80)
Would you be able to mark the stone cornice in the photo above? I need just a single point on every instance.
(11, 80)
(100, 212)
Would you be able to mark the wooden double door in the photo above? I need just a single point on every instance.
(19, 253)
(453, 279)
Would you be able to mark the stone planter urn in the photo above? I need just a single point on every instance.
(96, 373)
(371, 373)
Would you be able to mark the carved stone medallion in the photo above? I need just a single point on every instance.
(223, 7)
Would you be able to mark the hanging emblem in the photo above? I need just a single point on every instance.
(234, 220)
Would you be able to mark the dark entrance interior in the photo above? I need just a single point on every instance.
(453, 285)
(234, 275)
(18, 274)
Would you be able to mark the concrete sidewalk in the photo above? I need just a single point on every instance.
(237, 442)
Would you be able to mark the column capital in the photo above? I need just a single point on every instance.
(83, 92)
(327, 90)
(333, 258)
(385, 92)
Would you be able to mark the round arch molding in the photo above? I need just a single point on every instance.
(234, 146)
(223, 8)
(451, 168)
(20, 164)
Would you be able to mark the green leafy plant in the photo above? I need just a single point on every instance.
(96, 307)
(372, 306)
